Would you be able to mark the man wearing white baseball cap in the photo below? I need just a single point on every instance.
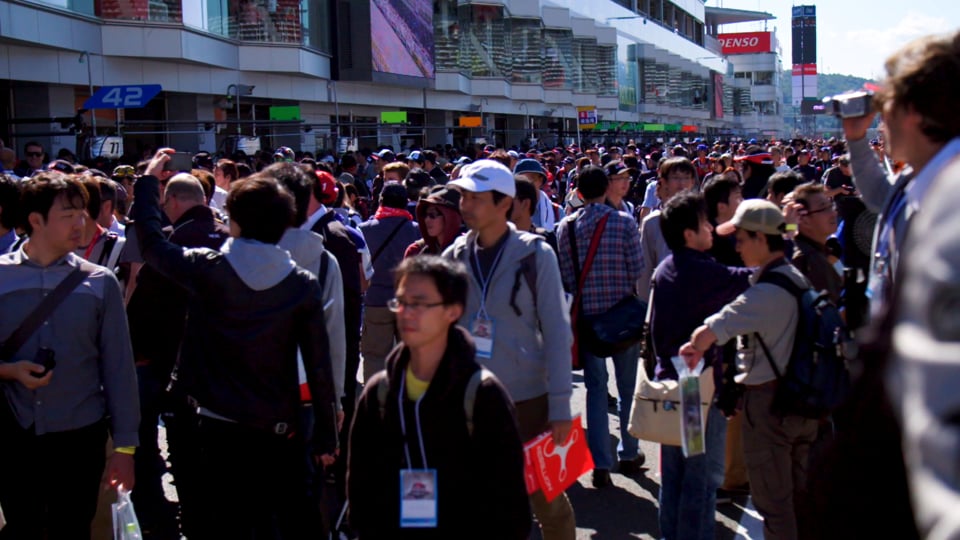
(518, 317)
(776, 447)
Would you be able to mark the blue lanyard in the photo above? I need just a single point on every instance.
(403, 424)
(887, 237)
(484, 280)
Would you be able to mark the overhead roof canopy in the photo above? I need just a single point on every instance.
(716, 16)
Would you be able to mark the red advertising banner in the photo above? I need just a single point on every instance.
(804, 69)
(745, 43)
(555, 468)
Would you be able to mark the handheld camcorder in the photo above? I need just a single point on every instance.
(850, 104)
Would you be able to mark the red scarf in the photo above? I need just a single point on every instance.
(385, 212)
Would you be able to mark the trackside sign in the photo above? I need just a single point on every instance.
(745, 43)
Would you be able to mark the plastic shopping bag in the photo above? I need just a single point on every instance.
(691, 421)
(125, 523)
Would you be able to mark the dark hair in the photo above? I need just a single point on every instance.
(33, 143)
(803, 193)
(347, 161)
(243, 170)
(207, 181)
(775, 242)
(526, 191)
(394, 196)
(416, 180)
(501, 156)
(676, 165)
(429, 155)
(108, 192)
(9, 201)
(682, 212)
(92, 185)
(717, 190)
(925, 75)
(497, 197)
(40, 192)
(300, 184)
(784, 182)
(262, 208)
(449, 276)
(228, 168)
(592, 182)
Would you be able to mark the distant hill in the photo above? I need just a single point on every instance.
(827, 85)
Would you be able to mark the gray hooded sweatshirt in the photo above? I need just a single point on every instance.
(306, 249)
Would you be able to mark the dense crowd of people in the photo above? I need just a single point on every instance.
(363, 343)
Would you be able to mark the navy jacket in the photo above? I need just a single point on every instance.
(689, 287)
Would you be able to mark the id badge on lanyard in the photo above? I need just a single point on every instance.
(418, 487)
(482, 328)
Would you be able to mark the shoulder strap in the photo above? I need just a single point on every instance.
(782, 281)
(470, 395)
(591, 252)
(766, 352)
(386, 242)
(41, 313)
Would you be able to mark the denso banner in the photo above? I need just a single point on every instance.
(745, 43)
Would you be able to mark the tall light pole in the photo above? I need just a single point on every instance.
(93, 112)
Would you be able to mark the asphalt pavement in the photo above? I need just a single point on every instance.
(628, 508)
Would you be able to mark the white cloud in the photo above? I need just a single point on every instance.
(869, 47)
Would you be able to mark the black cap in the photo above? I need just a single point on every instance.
(616, 167)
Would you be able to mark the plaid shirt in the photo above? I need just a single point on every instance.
(617, 265)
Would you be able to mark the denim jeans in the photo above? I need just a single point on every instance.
(688, 487)
(598, 426)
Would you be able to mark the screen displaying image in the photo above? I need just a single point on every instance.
(402, 35)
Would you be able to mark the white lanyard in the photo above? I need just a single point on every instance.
(403, 424)
(485, 280)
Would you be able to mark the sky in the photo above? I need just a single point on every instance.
(854, 37)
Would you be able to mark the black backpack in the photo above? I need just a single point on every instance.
(817, 379)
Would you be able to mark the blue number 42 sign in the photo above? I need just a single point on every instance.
(122, 97)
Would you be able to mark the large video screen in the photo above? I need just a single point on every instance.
(401, 33)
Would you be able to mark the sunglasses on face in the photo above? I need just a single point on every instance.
(433, 215)
(34, 154)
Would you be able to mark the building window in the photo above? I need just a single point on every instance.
(527, 52)
(558, 59)
(446, 35)
(273, 21)
(485, 46)
(169, 11)
(607, 70)
(763, 77)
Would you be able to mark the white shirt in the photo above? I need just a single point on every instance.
(544, 216)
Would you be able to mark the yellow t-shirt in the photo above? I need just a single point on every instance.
(415, 387)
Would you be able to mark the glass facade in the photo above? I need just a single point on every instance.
(446, 35)
(526, 47)
(141, 10)
(606, 66)
(627, 75)
(559, 63)
(275, 21)
(670, 85)
(485, 45)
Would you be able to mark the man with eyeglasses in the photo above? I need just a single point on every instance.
(33, 160)
(409, 435)
(818, 222)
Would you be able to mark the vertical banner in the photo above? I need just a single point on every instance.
(587, 117)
